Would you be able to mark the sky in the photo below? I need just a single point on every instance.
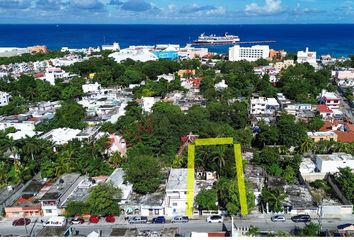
(177, 12)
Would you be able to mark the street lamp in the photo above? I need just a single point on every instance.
(25, 223)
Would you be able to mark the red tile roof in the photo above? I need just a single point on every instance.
(345, 136)
(324, 108)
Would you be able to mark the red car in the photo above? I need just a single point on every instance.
(110, 219)
(21, 222)
(94, 219)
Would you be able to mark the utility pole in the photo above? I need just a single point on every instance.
(25, 224)
(320, 217)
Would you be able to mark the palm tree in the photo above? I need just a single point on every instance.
(307, 146)
(274, 198)
(31, 147)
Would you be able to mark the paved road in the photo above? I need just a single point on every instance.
(347, 110)
(264, 224)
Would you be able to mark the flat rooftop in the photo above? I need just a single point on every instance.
(62, 184)
(177, 179)
(321, 134)
(335, 157)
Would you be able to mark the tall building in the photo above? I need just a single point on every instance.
(238, 53)
(306, 57)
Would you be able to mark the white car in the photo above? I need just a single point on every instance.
(278, 218)
(215, 219)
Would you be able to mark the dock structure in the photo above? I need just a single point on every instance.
(257, 42)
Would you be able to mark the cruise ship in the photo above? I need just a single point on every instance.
(216, 40)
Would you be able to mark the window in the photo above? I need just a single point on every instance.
(48, 211)
(174, 204)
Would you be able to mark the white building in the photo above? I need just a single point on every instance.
(57, 194)
(307, 57)
(220, 85)
(169, 77)
(330, 99)
(330, 163)
(117, 178)
(4, 98)
(263, 105)
(54, 73)
(142, 55)
(192, 52)
(61, 136)
(91, 87)
(148, 103)
(238, 53)
(344, 74)
(114, 47)
(176, 192)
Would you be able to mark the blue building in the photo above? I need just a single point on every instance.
(167, 55)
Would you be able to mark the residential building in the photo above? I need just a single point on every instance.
(323, 136)
(61, 136)
(343, 129)
(117, 144)
(262, 105)
(238, 53)
(325, 111)
(89, 134)
(27, 204)
(22, 122)
(186, 72)
(330, 99)
(8, 195)
(330, 163)
(117, 178)
(176, 192)
(80, 192)
(95, 87)
(344, 74)
(283, 65)
(307, 57)
(53, 199)
(114, 47)
(169, 77)
(220, 86)
(4, 98)
(148, 103)
(54, 73)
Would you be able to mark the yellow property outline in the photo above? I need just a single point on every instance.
(239, 171)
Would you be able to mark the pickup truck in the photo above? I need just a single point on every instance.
(135, 220)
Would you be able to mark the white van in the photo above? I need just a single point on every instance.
(56, 221)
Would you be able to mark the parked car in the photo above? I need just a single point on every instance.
(180, 219)
(215, 219)
(110, 219)
(138, 219)
(56, 221)
(94, 219)
(278, 218)
(159, 219)
(21, 222)
(301, 218)
(77, 220)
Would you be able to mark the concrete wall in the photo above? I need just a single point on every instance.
(337, 210)
(310, 177)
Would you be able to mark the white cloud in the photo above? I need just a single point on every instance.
(270, 7)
